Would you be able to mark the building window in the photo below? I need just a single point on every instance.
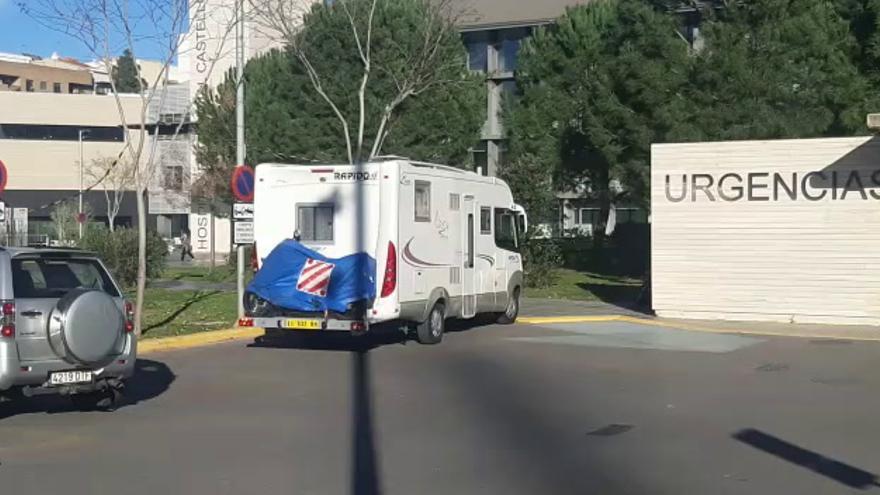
(60, 132)
(477, 45)
(173, 178)
(315, 223)
(43, 86)
(56, 87)
(485, 220)
(422, 201)
(508, 54)
(481, 157)
(587, 216)
(29, 85)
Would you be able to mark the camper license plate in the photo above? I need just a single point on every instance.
(303, 324)
(66, 377)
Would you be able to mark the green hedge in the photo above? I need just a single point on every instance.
(118, 250)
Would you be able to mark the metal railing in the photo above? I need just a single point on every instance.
(25, 240)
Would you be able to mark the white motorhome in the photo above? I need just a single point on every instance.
(445, 240)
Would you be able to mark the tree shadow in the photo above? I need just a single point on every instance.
(199, 296)
(150, 380)
(838, 471)
(621, 293)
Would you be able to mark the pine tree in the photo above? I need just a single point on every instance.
(125, 74)
(597, 89)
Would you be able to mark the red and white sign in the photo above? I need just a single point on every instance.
(315, 277)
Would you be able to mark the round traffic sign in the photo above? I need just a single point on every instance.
(243, 183)
(4, 175)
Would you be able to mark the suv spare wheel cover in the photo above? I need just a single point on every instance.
(92, 325)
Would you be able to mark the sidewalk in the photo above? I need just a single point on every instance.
(554, 311)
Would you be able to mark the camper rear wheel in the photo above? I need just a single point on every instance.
(431, 330)
(508, 317)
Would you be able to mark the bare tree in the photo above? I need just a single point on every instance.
(115, 177)
(106, 28)
(416, 69)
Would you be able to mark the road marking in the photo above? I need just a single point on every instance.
(538, 320)
(147, 346)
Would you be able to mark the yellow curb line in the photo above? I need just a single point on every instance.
(688, 326)
(196, 339)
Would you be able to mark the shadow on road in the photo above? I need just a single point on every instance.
(840, 472)
(151, 379)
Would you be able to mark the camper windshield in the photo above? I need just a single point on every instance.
(505, 229)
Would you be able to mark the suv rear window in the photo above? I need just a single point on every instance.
(49, 278)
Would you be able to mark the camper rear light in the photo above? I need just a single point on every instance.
(389, 281)
(358, 326)
(245, 322)
(255, 261)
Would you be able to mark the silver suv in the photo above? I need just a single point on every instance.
(64, 327)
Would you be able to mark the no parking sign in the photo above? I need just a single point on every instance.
(243, 183)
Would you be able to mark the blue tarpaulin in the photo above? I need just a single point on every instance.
(296, 277)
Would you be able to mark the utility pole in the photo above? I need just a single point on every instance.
(239, 132)
(79, 216)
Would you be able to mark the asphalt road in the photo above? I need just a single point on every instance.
(591, 408)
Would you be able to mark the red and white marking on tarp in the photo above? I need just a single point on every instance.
(315, 277)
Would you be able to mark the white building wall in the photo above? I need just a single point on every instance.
(766, 256)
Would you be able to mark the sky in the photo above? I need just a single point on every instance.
(20, 33)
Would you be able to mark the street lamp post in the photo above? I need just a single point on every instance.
(79, 218)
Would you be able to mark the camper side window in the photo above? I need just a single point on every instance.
(315, 222)
(422, 201)
(485, 221)
(505, 229)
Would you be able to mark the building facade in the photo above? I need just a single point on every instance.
(782, 230)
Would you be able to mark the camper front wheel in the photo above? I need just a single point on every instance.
(509, 315)
(430, 331)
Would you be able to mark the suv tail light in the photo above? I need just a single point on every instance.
(129, 316)
(389, 282)
(7, 319)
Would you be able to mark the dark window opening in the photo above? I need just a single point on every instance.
(422, 201)
(485, 221)
(50, 278)
(315, 223)
(505, 229)
(56, 87)
(29, 85)
(60, 132)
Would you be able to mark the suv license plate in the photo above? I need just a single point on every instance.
(66, 377)
(303, 324)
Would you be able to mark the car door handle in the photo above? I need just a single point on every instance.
(32, 313)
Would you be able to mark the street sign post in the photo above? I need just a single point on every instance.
(243, 211)
(243, 232)
(243, 183)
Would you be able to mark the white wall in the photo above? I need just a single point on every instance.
(764, 255)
